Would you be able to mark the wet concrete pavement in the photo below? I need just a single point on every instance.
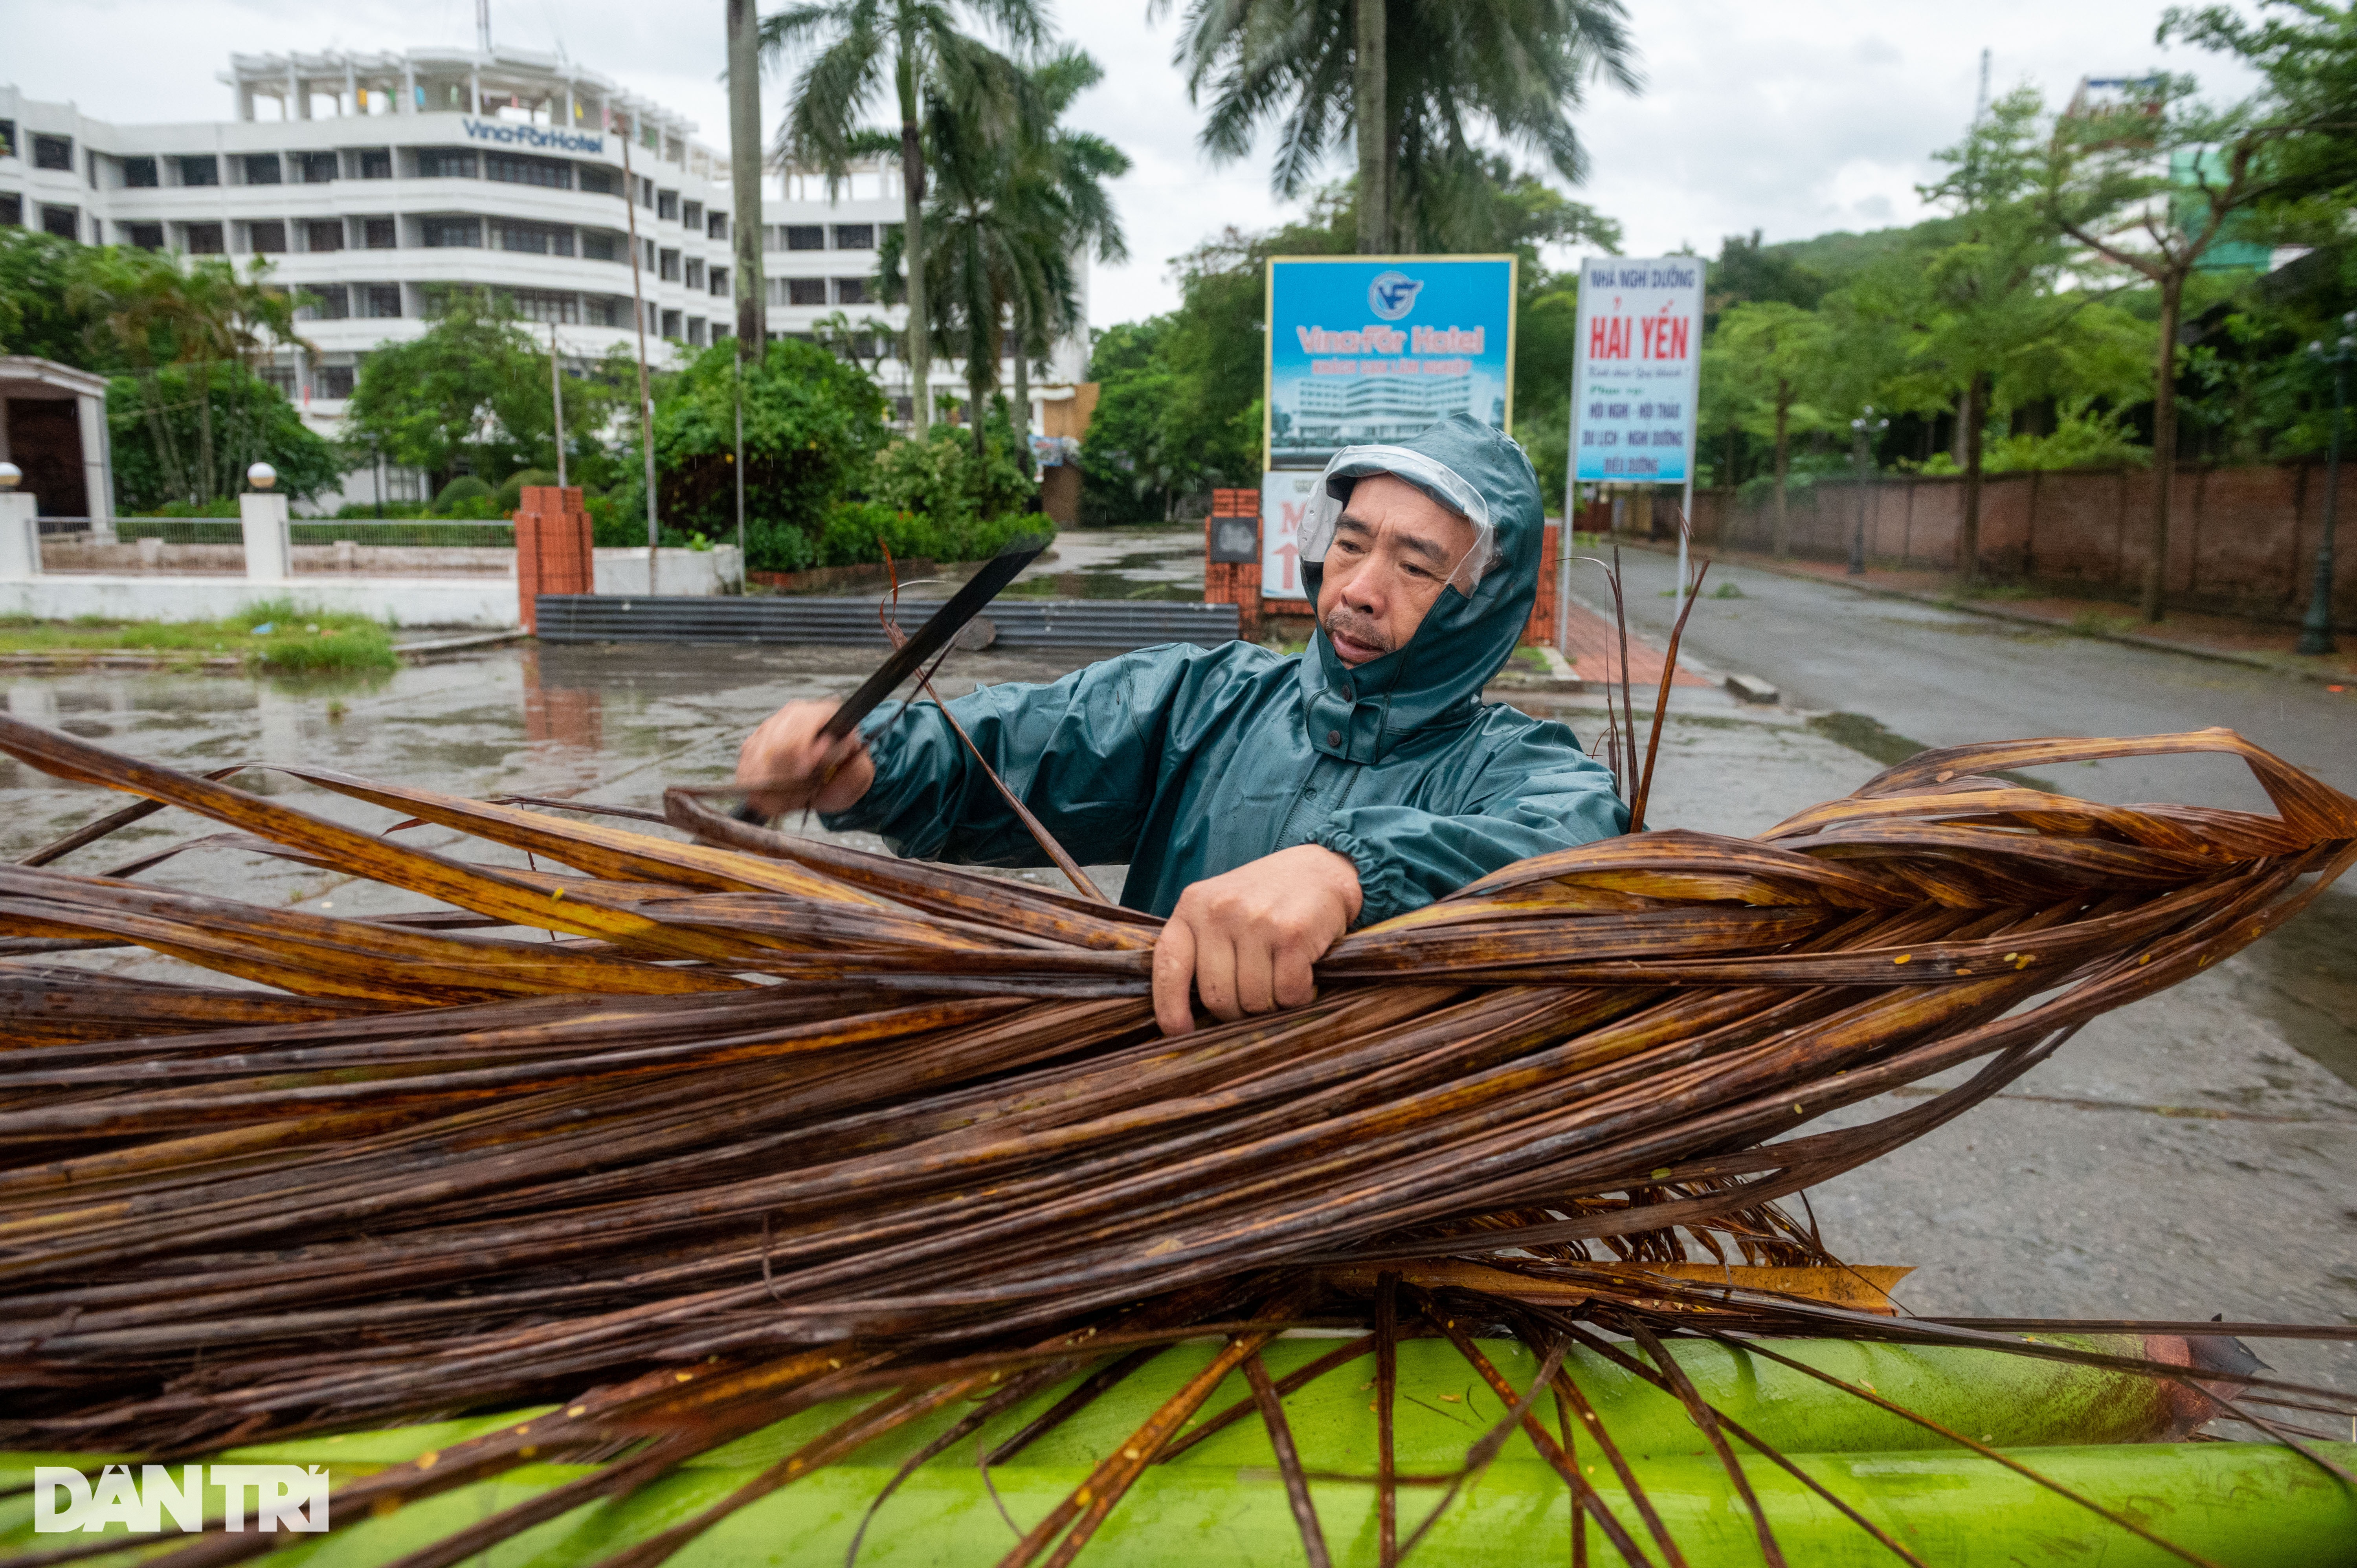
(2188, 1156)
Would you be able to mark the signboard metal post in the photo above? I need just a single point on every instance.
(1636, 378)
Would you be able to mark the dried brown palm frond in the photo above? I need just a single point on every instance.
(773, 1122)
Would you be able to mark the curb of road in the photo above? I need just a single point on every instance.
(2127, 638)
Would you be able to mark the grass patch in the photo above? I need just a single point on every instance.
(277, 636)
(2100, 623)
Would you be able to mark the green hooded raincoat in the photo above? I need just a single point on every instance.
(1187, 762)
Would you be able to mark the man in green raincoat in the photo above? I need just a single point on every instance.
(1265, 804)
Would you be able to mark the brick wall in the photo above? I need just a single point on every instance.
(554, 553)
(2241, 541)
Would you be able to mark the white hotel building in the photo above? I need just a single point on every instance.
(367, 181)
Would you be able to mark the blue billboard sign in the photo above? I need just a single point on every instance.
(1374, 348)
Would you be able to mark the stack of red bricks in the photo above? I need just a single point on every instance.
(552, 548)
(1233, 583)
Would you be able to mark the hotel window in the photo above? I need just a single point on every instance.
(376, 163)
(851, 290)
(12, 210)
(281, 377)
(715, 226)
(53, 152)
(667, 205)
(444, 232)
(546, 306)
(691, 213)
(334, 381)
(318, 168)
(805, 236)
(330, 302)
(533, 239)
(204, 239)
(139, 174)
(8, 138)
(805, 291)
(694, 278)
(597, 247)
(380, 233)
(695, 332)
(262, 169)
(598, 181)
(327, 235)
(670, 324)
(720, 280)
(65, 222)
(605, 311)
(202, 169)
(444, 163)
(669, 268)
(144, 236)
(517, 170)
(381, 300)
(855, 236)
(268, 237)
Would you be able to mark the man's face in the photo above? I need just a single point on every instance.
(1391, 555)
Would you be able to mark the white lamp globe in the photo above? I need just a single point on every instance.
(261, 476)
(9, 475)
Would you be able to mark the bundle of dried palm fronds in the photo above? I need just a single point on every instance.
(771, 1121)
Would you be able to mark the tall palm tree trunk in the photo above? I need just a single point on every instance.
(912, 215)
(1021, 337)
(1374, 119)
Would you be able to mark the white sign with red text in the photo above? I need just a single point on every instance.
(1284, 499)
(1635, 378)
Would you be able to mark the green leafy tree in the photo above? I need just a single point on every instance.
(262, 425)
(853, 48)
(204, 318)
(2149, 186)
(1411, 85)
(472, 395)
(813, 425)
(1984, 321)
(1768, 360)
(40, 312)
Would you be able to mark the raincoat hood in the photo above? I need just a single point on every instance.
(1361, 714)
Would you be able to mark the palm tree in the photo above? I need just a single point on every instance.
(199, 316)
(1406, 80)
(1058, 180)
(1007, 219)
(853, 48)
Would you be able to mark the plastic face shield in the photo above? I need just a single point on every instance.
(1436, 479)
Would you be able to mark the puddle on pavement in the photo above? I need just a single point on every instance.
(2303, 979)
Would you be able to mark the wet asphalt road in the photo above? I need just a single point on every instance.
(2191, 1155)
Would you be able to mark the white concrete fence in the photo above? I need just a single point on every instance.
(478, 599)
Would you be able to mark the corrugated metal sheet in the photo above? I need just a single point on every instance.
(781, 619)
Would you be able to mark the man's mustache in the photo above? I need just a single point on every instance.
(1363, 630)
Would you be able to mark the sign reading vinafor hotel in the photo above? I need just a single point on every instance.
(1370, 349)
(1634, 381)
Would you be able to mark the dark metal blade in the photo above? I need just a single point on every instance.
(928, 640)
(934, 635)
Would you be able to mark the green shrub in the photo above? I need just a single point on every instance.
(510, 491)
(461, 494)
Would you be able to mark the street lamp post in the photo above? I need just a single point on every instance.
(2316, 626)
(1863, 430)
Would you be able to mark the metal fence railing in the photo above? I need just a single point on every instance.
(444, 532)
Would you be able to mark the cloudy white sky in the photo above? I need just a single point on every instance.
(1794, 117)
